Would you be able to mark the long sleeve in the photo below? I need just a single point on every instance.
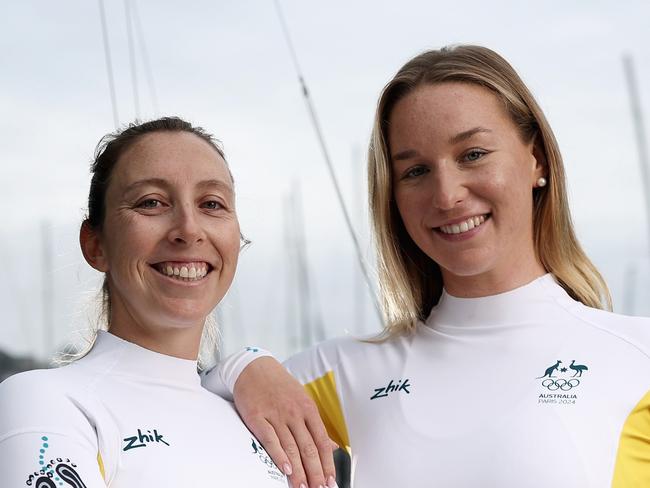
(312, 368)
(221, 379)
(45, 439)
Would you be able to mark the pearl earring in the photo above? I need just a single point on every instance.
(541, 181)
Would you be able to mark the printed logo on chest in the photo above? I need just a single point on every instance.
(392, 387)
(271, 469)
(559, 385)
(143, 439)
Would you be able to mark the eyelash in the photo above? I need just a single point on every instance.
(219, 205)
(144, 204)
(421, 170)
(410, 173)
(480, 152)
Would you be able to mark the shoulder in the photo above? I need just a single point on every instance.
(635, 331)
(45, 399)
(30, 384)
(344, 354)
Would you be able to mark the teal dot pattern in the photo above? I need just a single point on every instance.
(41, 460)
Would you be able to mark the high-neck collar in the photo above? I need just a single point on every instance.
(126, 358)
(521, 305)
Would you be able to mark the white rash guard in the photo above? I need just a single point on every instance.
(125, 417)
(528, 388)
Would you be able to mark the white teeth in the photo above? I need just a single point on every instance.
(464, 226)
(191, 272)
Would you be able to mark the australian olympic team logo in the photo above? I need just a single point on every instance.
(54, 473)
(560, 380)
(560, 384)
(271, 469)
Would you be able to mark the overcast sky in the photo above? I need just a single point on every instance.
(225, 66)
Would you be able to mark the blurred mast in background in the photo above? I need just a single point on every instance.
(109, 64)
(292, 317)
(642, 148)
(132, 62)
(47, 289)
(311, 322)
(328, 161)
(356, 165)
(145, 59)
(639, 127)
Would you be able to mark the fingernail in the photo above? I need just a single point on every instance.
(302, 485)
(331, 482)
(287, 469)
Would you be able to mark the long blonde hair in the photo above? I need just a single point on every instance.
(410, 282)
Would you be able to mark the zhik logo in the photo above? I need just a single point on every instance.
(141, 440)
(399, 386)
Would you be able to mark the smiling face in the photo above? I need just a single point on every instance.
(463, 181)
(170, 239)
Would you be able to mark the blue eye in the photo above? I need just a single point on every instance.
(474, 155)
(149, 203)
(415, 172)
(212, 205)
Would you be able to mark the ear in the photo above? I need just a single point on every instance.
(91, 247)
(541, 164)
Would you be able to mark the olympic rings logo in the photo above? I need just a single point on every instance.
(560, 384)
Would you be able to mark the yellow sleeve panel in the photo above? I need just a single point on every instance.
(323, 392)
(633, 457)
(100, 463)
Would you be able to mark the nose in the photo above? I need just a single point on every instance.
(186, 227)
(449, 189)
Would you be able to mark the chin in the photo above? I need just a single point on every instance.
(468, 265)
(184, 315)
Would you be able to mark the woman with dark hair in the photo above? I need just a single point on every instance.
(500, 364)
(131, 412)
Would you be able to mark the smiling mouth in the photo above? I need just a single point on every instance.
(464, 226)
(194, 271)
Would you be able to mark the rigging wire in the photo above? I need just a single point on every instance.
(639, 127)
(328, 161)
(109, 64)
(134, 72)
(145, 58)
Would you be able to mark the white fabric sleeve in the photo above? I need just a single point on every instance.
(46, 440)
(48, 460)
(221, 379)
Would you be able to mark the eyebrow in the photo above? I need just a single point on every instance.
(408, 154)
(460, 137)
(463, 136)
(166, 184)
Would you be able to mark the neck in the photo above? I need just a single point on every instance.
(172, 340)
(492, 282)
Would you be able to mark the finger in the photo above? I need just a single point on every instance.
(325, 448)
(309, 454)
(297, 477)
(269, 439)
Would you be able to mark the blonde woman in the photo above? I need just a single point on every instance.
(499, 364)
